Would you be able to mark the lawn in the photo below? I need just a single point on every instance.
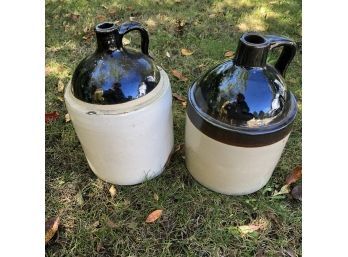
(195, 220)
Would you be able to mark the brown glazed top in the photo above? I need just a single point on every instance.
(245, 101)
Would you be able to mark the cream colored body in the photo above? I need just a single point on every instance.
(228, 169)
(126, 143)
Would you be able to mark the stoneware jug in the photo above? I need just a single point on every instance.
(120, 104)
(239, 117)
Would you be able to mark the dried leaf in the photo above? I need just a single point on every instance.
(51, 116)
(125, 41)
(168, 54)
(151, 23)
(110, 223)
(153, 216)
(179, 97)
(213, 15)
(186, 52)
(179, 147)
(67, 117)
(96, 224)
(229, 54)
(51, 227)
(179, 75)
(101, 18)
(289, 253)
(284, 190)
(296, 192)
(256, 225)
(60, 86)
(60, 98)
(184, 104)
(295, 175)
(74, 16)
(99, 247)
(155, 196)
(113, 191)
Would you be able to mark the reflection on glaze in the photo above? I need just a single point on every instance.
(114, 74)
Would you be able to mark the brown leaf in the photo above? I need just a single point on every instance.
(186, 52)
(156, 197)
(295, 175)
(284, 190)
(60, 86)
(74, 16)
(110, 223)
(296, 192)
(153, 216)
(179, 75)
(101, 18)
(51, 227)
(179, 97)
(229, 54)
(179, 147)
(184, 104)
(288, 253)
(51, 116)
(113, 191)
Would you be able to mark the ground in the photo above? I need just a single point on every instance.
(195, 220)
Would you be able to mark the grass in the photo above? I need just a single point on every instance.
(196, 221)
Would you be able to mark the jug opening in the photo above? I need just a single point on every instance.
(105, 27)
(255, 39)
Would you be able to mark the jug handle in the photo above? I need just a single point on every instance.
(287, 54)
(130, 26)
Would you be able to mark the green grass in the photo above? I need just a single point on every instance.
(196, 221)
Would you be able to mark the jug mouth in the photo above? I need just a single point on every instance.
(254, 39)
(105, 27)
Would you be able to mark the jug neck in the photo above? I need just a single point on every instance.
(252, 50)
(106, 34)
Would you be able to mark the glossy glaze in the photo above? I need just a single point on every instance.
(114, 74)
(246, 95)
(127, 143)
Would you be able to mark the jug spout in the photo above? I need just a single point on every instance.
(106, 34)
(252, 50)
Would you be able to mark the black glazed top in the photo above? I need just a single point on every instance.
(246, 94)
(113, 74)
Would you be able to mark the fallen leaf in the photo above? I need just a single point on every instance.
(289, 253)
(125, 41)
(60, 86)
(179, 97)
(168, 54)
(67, 117)
(99, 247)
(60, 98)
(96, 224)
(153, 216)
(284, 190)
(213, 15)
(186, 52)
(184, 104)
(178, 147)
(295, 175)
(101, 18)
(74, 16)
(155, 196)
(113, 191)
(150, 23)
(51, 116)
(179, 75)
(296, 192)
(79, 198)
(229, 54)
(110, 223)
(254, 226)
(51, 227)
